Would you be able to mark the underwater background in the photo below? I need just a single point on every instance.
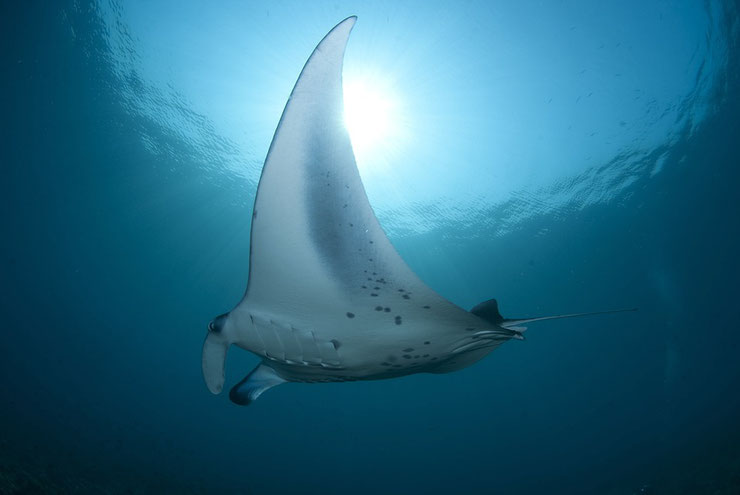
(560, 156)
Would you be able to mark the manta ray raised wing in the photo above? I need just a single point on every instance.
(329, 298)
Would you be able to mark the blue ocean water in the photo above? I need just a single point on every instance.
(571, 156)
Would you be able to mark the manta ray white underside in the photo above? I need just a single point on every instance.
(329, 298)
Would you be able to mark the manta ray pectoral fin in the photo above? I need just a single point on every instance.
(488, 310)
(261, 378)
(314, 232)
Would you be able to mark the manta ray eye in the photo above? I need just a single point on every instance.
(217, 324)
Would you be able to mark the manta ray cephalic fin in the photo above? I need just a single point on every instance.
(262, 378)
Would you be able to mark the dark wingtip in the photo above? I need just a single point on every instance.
(349, 20)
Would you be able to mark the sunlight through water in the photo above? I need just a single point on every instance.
(370, 114)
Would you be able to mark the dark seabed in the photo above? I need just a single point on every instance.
(575, 156)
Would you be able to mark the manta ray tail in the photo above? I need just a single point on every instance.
(488, 310)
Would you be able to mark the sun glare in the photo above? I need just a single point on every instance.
(370, 114)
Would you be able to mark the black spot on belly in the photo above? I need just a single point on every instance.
(400, 290)
(398, 320)
(376, 288)
(408, 349)
(425, 307)
(369, 259)
(406, 296)
(369, 279)
(374, 273)
(387, 310)
(374, 295)
(425, 355)
(350, 315)
(426, 342)
(378, 308)
(406, 356)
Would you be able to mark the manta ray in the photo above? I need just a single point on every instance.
(328, 298)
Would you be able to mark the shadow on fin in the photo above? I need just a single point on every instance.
(257, 381)
(488, 310)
